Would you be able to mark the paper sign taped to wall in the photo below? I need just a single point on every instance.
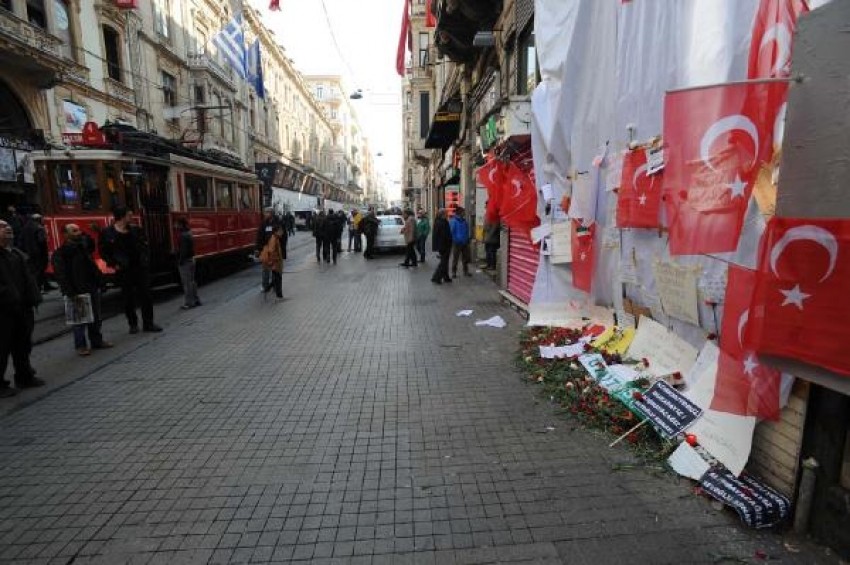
(677, 288)
(667, 353)
(562, 249)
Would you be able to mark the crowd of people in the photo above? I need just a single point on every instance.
(124, 247)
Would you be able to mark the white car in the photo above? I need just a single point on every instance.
(390, 233)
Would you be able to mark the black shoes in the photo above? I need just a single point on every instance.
(7, 391)
(153, 328)
(32, 382)
(134, 329)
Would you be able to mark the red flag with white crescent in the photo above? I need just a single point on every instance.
(773, 38)
(744, 385)
(491, 176)
(584, 255)
(518, 200)
(800, 306)
(639, 196)
(716, 140)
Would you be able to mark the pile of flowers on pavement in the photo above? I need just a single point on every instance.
(591, 373)
(566, 381)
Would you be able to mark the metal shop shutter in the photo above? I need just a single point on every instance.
(523, 258)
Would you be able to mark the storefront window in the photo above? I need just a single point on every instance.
(89, 189)
(197, 192)
(224, 196)
(66, 193)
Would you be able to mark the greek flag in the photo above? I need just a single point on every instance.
(254, 69)
(231, 44)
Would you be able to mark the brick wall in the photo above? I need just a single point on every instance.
(776, 445)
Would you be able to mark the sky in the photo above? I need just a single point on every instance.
(367, 34)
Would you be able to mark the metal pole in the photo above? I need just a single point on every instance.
(797, 79)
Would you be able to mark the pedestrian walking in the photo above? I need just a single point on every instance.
(332, 233)
(342, 222)
(492, 241)
(460, 241)
(14, 220)
(272, 257)
(423, 228)
(124, 248)
(441, 243)
(186, 264)
(289, 223)
(319, 234)
(409, 231)
(77, 275)
(19, 294)
(264, 233)
(354, 231)
(34, 243)
(370, 224)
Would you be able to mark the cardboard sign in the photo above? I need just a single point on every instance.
(758, 505)
(667, 410)
(666, 352)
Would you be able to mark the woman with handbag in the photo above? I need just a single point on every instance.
(272, 257)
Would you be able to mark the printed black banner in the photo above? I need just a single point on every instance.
(758, 505)
(667, 410)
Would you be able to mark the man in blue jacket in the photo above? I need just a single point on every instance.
(460, 241)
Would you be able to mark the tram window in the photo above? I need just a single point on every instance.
(224, 195)
(245, 200)
(66, 192)
(112, 173)
(89, 188)
(197, 192)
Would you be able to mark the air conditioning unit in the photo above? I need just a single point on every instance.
(516, 116)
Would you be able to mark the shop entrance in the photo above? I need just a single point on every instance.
(17, 140)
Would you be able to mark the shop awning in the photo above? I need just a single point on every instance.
(445, 128)
(459, 21)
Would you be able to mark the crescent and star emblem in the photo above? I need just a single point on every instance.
(722, 126)
(780, 36)
(816, 234)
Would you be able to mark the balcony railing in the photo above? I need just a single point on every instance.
(119, 91)
(203, 62)
(37, 44)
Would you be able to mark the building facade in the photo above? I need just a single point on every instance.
(155, 66)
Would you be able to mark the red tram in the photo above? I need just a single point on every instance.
(160, 181)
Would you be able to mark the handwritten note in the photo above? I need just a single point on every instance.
(667, 353)
(677, 288)
(688, 462)
(628, 268)
(727, 437)
(562, 250)
(712, 288)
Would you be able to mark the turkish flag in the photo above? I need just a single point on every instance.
(639, 197)
(773, 36)
(430, 18)
(518, 207)
(744, 386)
(800, 307)
(716, 139)
(584, 258)
(274, 5)
(491, 176)
(405, 39)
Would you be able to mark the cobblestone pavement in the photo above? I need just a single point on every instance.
(359, 421)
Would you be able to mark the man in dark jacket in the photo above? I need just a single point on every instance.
(369, 226)
(19, 294)
(186, 264)
(319, 229)
(441, 242)
(266, 229)
(34, 244)
(78, 274)
(333, 231)
(124, 248)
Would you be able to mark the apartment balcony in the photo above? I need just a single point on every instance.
(36, 53)
(417, 72)
(203, 63)
(119, 90)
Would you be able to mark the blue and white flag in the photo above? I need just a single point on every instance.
(231, 44)
(254, 69)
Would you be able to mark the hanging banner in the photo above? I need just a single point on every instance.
(667, 409)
